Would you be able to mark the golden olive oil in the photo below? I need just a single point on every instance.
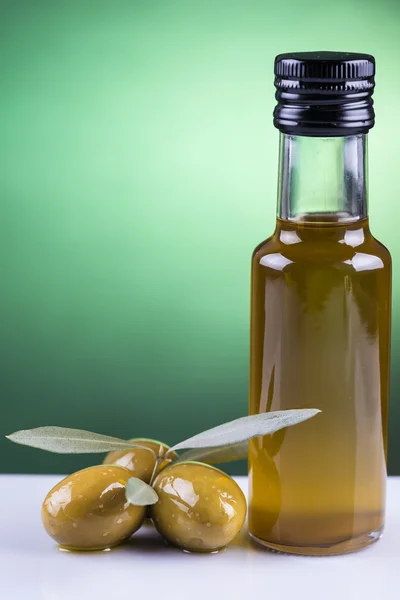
(320, 338)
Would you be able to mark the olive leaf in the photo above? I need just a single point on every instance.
(70, 441)
(139, 493)
(245, 428)
(216, 455)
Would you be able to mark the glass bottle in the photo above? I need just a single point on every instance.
(320, 319)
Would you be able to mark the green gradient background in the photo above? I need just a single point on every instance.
(138, 171)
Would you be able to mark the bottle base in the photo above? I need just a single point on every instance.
(345, 547)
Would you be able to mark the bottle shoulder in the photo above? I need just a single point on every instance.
(358, 248)
(267, 246)
(381, 250)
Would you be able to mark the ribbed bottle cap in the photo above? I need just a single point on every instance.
(324, 93)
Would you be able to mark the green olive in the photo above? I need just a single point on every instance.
(139, 461)
(88, 510)
(200, 508)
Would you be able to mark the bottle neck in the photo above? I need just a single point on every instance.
(322, 179)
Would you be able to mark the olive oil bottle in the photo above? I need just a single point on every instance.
(320, 319)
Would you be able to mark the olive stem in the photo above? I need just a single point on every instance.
(154, 473)
(159, 459)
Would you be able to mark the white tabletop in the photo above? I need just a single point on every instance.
(32, 568)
